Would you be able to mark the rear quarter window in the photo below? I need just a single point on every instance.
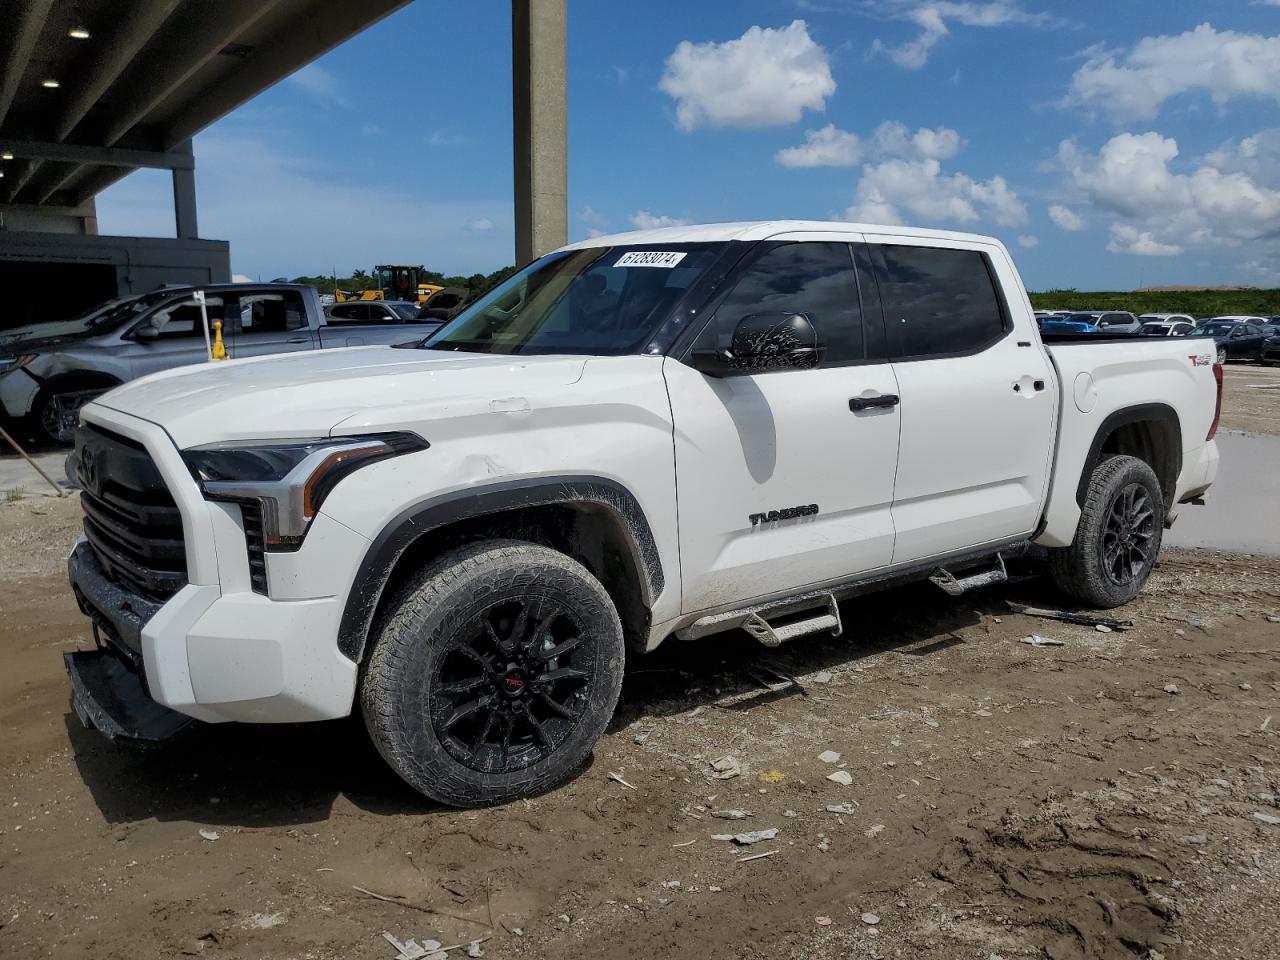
(939, 302)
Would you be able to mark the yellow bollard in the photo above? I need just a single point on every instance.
(219, 348)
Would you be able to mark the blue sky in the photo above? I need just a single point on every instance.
(1110, 145)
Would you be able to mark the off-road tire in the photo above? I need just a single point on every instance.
(404, 678)
(1081, 570)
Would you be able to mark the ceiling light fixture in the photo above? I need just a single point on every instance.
(78, 33)
(6, 155)
(50, 84)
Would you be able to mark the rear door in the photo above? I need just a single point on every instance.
(781, 484)
(978, 397)
(270, 321)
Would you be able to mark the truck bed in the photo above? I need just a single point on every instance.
(1107, 380)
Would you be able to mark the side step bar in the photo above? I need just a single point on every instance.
(954, 586)
(775, 624)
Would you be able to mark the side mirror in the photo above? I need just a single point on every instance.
(145, 333)
(777, 340)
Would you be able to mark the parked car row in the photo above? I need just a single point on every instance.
(49, 371)
(1238, 337)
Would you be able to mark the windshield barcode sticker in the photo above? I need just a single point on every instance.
(650, 258)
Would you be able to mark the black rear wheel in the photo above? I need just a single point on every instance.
(1118, 537)
(493, 673)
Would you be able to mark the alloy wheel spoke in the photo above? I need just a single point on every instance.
(563, 673)
(464, 686)
(560, 649)
(538, 731)
(558, 709)
(483, 736)
(461, 713)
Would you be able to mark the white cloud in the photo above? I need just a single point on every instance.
(1126, 238)
(481, 223)
(932, 17)
(1028, 242)
(764, 78)
(644, 220)
(833, 147)
(1066, 218)
(1136, 84)
(595, 221)
(892, 139)
(888, 191)
(828, 147)
(290, 215)
(319, 83)
(1156, 210)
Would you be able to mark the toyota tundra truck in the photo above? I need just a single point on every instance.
(670, 433)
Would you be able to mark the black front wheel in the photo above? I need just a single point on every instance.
(493, 673)
(1118, 537)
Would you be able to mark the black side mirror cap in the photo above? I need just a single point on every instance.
(145, 333)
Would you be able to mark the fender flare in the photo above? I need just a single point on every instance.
(420, 518)
(1117, 419)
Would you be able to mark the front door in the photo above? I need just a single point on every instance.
(977, 393)
(181, 340)
(781, 484)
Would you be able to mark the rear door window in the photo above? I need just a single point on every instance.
(347, 313)
(274, 312)
(938, 302)
(815, 279)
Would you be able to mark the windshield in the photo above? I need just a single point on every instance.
(405, 311)
(601, 301)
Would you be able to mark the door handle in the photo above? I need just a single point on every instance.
(1036, 385)
(867, 403)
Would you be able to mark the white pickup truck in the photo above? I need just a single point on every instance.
(667, 433)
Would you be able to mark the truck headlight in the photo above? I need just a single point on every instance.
(288, 479)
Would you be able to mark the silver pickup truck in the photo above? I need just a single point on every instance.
(48, 371)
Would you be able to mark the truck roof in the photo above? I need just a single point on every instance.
(764, 229)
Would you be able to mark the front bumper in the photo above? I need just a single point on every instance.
(216, 651)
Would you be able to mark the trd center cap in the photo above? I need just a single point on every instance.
(512, 683)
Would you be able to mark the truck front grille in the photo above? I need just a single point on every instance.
(130, 519)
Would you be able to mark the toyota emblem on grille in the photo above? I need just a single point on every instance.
(89, 468)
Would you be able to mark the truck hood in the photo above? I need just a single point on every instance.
(308, 394)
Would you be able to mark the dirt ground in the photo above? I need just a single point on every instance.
(1251, 398)
(1115, 796)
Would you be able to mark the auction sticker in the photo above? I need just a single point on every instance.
(650, 258)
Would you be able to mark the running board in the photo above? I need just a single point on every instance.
(954, 586)
(776, 634)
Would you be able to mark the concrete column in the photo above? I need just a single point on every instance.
(539, 103)
(184, 198)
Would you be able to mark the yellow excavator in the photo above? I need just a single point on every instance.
(395, 281)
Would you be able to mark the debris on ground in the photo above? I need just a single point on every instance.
(822, 921)
(1036, 640)
(842, 777)
(870, 919)
(757, 856)
(873, 830)
(617, 778)
(1085, 619)
(412, 950)
(829, 756)
(842, 808)
(473, 949)
(754, 836)
(1266, 818)
(733, 813)
(210, 834)
(1171, 688)
(772, 776)
(1102, 628)
(725, 768)
(1196, 839)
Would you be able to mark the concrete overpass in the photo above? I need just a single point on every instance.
(91, 90)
